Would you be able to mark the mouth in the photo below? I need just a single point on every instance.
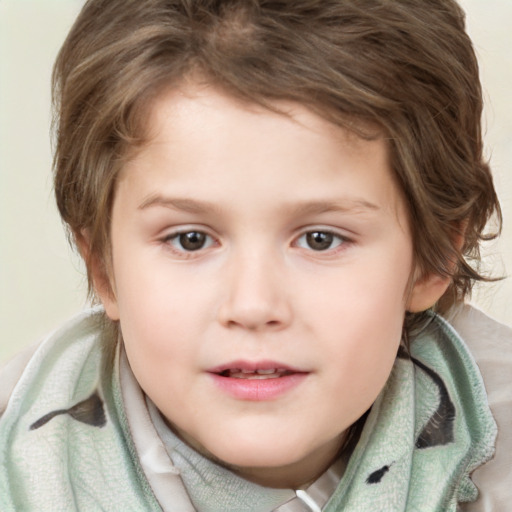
(257, 381)
(253, 370)
(258, 374)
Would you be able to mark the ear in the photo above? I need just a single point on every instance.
(429, 288)
(102, 280)
(426, 291)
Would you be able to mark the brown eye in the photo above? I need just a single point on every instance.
(189, 241)
(319, 240)
(192, 241)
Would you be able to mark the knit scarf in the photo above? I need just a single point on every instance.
(65, 443)
(429, 429)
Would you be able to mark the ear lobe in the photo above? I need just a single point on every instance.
(426, 291)
(102, 282)
(429, 288)
(104, 289)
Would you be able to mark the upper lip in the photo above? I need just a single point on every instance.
(252, 366)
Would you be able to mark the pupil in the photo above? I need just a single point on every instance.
(319, 241)
(192, 241)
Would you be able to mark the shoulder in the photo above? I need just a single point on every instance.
(490, 343)
(84, 325)
(10, 374)
(480, 332)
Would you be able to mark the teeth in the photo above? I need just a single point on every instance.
(271, 373)
(255, 376)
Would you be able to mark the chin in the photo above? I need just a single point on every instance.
(253, 454)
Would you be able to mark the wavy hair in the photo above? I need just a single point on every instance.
(406, 66)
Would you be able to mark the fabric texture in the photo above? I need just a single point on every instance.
(63, 446)
(212, 487)
(422, 460)
(491, 344)
(66, 444)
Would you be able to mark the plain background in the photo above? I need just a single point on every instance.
(42, 281)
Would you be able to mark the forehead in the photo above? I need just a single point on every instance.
(201, 133)
(196, 95)
(198, 111)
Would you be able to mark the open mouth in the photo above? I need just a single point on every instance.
(239, 373)
(257, 380)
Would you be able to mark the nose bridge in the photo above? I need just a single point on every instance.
(256, 296)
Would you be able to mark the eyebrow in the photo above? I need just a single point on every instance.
(343, 205)
(177, 203)
(309, 207)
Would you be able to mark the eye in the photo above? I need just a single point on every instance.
(320, 240)
(189, 241)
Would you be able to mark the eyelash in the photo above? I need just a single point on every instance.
(171, 240)
(180, 238)
(331, 238)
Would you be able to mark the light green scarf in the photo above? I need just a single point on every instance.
(428, 430)
(65, 444)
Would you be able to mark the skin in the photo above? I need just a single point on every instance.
(256, 185)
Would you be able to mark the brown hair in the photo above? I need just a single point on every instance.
(406, 65)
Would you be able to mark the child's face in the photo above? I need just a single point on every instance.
(246, 240)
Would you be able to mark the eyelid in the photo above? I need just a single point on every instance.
(344, 239)
(173, 234)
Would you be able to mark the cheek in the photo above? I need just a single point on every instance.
(150, 296)
(157, 333)
(162, 313)
(365, 353)
(368, 297)
(363, 324)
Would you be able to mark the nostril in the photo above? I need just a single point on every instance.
(254, 325)
(254, 311)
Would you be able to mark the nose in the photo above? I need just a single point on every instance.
(256, 297)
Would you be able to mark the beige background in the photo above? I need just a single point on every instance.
(42, 281)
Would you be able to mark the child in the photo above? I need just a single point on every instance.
(272, 199)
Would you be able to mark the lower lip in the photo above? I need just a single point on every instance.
(258, 390)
